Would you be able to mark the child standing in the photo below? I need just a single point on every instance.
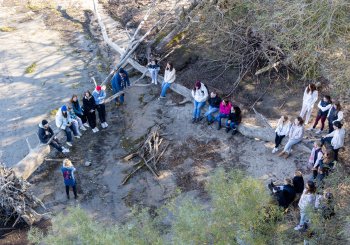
(334, 114)
(315, 157)
(154, 68)
(324, 105)
(68, 176)
(336, 138)
(307, 201)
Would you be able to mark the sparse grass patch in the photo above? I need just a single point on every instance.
(31, 68)
(7, 28)
(53, 112)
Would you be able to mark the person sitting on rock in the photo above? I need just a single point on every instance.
(78, 110)
(214, 105)
(335, 138)
(285, 194)
(64, 122)
(282, 130)
(296, 133)
(225, 109)
(78, 123)
(99, 96)
(169, 78)
(234, 119)
(119, 82)
(200, 95)
(46, 136)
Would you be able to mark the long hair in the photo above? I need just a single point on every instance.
(88, 91)
(310, 187)
(337, 104)
(300, 120)
(171, 65)
(71, 99)
(311, 87)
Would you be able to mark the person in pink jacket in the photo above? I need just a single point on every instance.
(224, 111)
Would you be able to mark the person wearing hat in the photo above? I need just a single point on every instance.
(45, 133)
(68, 176)
(64, 122)
(335, 138)
(99, 96)
(119, 82)
(200, 95)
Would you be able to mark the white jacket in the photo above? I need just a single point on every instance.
(306, 199)
(310, 99)
(61, 121)
(338, 138)
(340, 115)
(169, 76)
(327, 107)
(282, 128)
(296, 132)
(201, 94)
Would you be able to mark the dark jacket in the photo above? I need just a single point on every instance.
(234, 118)
(286, 196)
(214, 102)
(324, 104)
(77, 108)
(119, 82)
(298, 183)
(43, 137)
(89, 104)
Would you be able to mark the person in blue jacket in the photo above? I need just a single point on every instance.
(119, 82)
(68, 176)
(99, 95)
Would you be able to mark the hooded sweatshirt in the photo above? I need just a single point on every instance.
(43, 137)
(310, 99)
(201, 94)
(225, 109)
(61, 121)
(99, 96)
(282, 128)
(338, 137)
(169, 76)
(68, 175)
(296, 132)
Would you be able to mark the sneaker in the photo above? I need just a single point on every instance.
(103, 125)
(95, 130)
(310, 129)
(77, 136)
(68, 143)
(298, 227)
(161, 97)
(227, 129)
(86, 125)
(319, 131)
(274, 150)
(106, 125)
(65, 150)
(83, 128)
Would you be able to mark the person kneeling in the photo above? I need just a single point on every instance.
(46, 136)
(234, 119)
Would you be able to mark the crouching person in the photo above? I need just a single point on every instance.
(64, 122)
(45, 134)
(234, 119)
(68, 176)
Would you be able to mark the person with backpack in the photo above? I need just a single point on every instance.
(78, 110)
(68, 176)
(282, 130)
(64, 122)
(324, 105)
(296, 133)
(46, 136)
(306, 202)
(224, 111)
(335, 138)
(154, 68)
(89, 106)
(234, 119)
(119, 82)
(334, 114)
(315, 157)
(309, 99)
(200, 95)
(214, 105)
(99, 96)
(169, 78)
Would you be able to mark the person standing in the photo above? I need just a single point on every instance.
(224, 111)
(89, 106)
(46, 136)
(64, 122)
(78, 110)
(99, 96)
(324, 105)
(154, 68)
(68, 176)
(214, 105)
(307, 201)
(315, 157)
(119, 82)
(309, 99)
(282, 130)
(234, 119)
(335, 138)
(298, 182)
(200, 95)
(169, 78)
(296, 133)
(334, 114)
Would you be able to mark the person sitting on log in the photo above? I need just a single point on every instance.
(154, 68)
(284, 194)
(214, 105)
(119, 82)
(282, 130)
(335, 138)
(78, 110)
(169, 78)
(64, 122)
(234, 119)
(68, 176)
(46, 136)
(224, 111)
(200, 95)
(296, 133)
(99, 96)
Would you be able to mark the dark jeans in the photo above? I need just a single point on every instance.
(278, 140)
(69, 131)
(54, 143)
(330, 126)
(219, 117)
(101, 113)
(91, 117)
(329, 140)
(82, 117)
(74, 191)
(318, 118)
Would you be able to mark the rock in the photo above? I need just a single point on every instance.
(87, 163)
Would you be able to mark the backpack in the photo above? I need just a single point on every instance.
(206, 88)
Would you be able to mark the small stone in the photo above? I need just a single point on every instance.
(87, 163)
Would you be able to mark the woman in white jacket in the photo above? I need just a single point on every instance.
(282, 130)
(296, 134)
(335, 138)
(64, 122)
(309, 100)
(307, 201)
(169, 78)
(200, 95)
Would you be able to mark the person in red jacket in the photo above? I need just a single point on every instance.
(224, 111)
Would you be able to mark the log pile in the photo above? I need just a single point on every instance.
(149, 153)
(16, 202)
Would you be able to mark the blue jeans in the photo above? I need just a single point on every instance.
(69, 131)
(303, 218)
(121, 98)
(219, 117)
(290, 143)
(231, 125)
(165, 87)
(197, 109)
(154, 74)
(209, 113)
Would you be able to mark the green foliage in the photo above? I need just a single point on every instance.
(31, 68)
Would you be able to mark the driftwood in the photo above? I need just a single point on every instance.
(16, 202)
(149, 153)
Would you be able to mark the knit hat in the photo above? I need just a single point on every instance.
(44, 122)
(198, 84)
(98, 88)
(64, 108)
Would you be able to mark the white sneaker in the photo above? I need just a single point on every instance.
(274, 150)
(106, 125)
(319, 131)
(68, 143)
(310, 129)
(83, 128)
(298, 227)
(95, 130)
(86, 125)
(78, 137)
(65, 150)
